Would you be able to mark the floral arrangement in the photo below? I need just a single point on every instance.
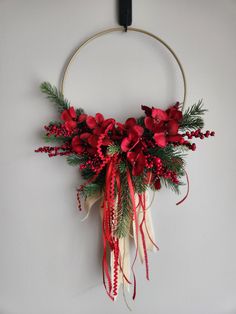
(120, 162)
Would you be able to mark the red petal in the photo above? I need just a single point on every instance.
(84, 136)
(65, 116)
(97, 131)
(70, 125)
(148, 121)
(77, 145)
(173, 127)
(131, 156)
(72, 112)
(174, 138)
(138, 130)
(91, 150)
(82, 117)
(108, 122)
(93, 140)
(125, 144)
(130, 122)
(139, 164)
(99, 118)
(91, 122)
(106, 141)
(160, 139)
(174, 113)
(159, 114)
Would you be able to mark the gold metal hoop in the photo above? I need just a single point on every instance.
(121, 29)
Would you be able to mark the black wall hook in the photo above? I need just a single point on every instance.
(125, 13)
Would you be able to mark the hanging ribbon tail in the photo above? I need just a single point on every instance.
(187, 178)
(89, 202)
(135, 228)
(146, 232)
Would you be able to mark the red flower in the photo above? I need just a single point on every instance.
(93, 122)
(156, 121)
(175, 116)
(69, 117)
(80, 144)
(134, 134)
(137, 160)
(174, 112)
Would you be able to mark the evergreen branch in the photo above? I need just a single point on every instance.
(55, 96)
(124, 212)
(87, 173)
(74, 159)
(171, 185)
(55, 139)
(172, 157)
(192, 117)
(91, 189)
(122, 167)
(139, 185)
(113, 149)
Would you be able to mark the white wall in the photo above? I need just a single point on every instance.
(50, 261)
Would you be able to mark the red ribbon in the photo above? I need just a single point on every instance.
(142, 201)
(187, 178)
(132, 196)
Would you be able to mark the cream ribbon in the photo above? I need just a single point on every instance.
(124, 243)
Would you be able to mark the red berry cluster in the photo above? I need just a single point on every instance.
(92, 163)
(62, 150)
(199, 134)
(58, 130)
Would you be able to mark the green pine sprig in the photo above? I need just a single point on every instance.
(192, 117)
(55, 96)
(75, 160)
(124, 211)
(91, 189)
(55, 139)
(113, 149)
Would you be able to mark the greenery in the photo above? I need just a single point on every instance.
(192, 117)
(171, 185)
(75, 160)
(55, 96)
(113, 149)
(124, 210)
(55, 139)
(91, 189)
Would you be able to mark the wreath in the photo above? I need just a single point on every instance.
(120, 162)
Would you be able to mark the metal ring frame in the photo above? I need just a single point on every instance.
(121, 29)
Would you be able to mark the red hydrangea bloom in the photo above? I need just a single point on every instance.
(164, 124)
(69, 117)
(81, 144)
(174, 112)
(98, 126)
(93, 122)
(156, 121)
(134, 133)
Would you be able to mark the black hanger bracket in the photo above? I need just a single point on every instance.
(125, 13)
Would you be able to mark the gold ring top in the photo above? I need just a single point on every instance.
(121, 29)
